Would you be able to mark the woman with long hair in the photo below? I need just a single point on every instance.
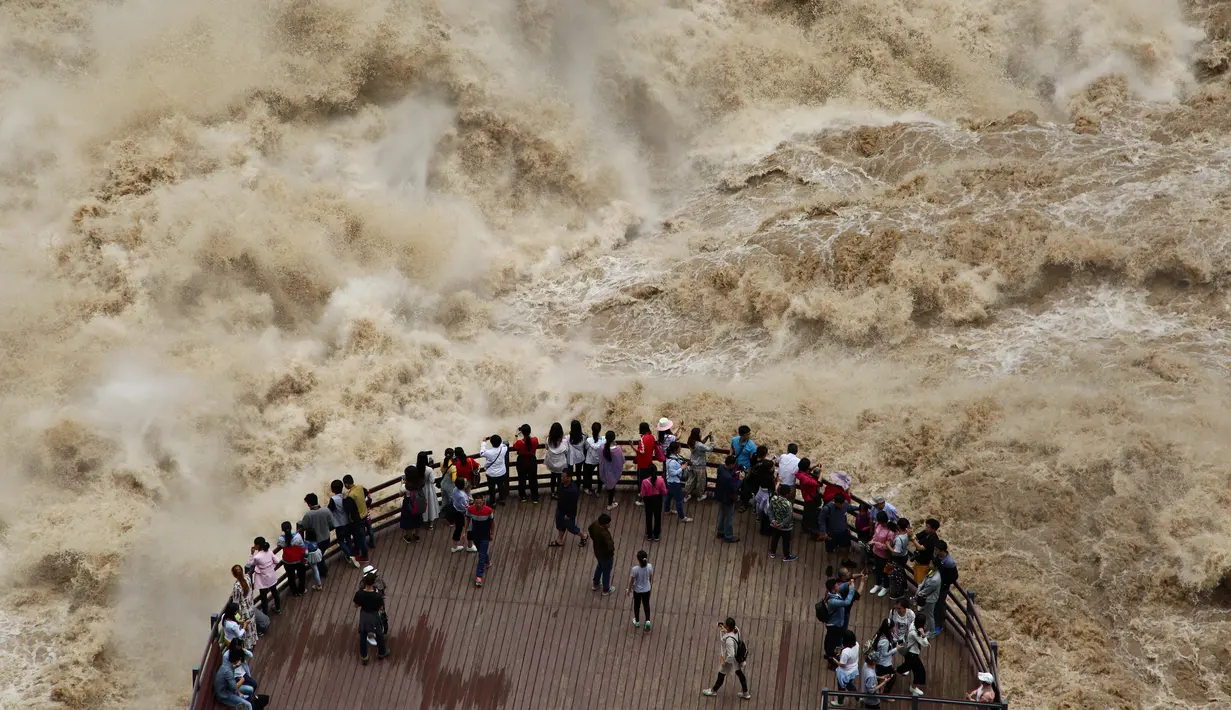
(293, 553)
(644, 455)
(880, 653)
(640, 580)
(241, 596)
(589, 474)
(410, 519)
(912, 648)
(577, 455)
(265, 574)
(653, 493)
(556, 459)
(527, 465)
(610, 467)
(699, 448)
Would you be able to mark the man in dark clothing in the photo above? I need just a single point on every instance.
(926, 538)
(834, 528)
(319, 521)
(566, 511)
(948, 577)
(726, 493)
(604, 552)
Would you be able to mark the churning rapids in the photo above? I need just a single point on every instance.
(973, 251)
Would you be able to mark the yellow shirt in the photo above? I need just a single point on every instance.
(356, 494)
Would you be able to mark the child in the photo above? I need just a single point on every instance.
(314, 556)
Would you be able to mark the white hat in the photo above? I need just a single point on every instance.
(665, 424)
(987, 678)
(368, 570)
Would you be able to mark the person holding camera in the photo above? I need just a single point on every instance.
(733, 654)
(495, 455)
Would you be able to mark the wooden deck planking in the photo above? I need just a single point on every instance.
(536, 636)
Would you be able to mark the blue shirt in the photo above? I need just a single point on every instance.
(675, 470)
(838, 607)
(460, 500)
(743, 454)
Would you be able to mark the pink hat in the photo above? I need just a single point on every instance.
(665, 424)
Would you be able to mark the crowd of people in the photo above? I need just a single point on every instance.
(914, 569)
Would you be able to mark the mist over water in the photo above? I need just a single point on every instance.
(974, 253)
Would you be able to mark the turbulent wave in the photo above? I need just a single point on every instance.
(973, 252)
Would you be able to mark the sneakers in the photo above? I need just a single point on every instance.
(383, 656)
(371, 639)
(609, 590)
(790, 558)
(316, 587)
(613, 506)
(364, 659)
(875, 590)
(916, 692)
(745, 696)
(478, 581)
(734, 538)
(772, 555)
(594, 588)
(882, 592)
(708, 692)
(647, 626)
(472, 548)
(638, 502)
(354, 562)
(458, 548)
(685, 520)
(636, 623)
(687, 498)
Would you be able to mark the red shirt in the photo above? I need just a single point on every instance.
(807, 486)
(466, 468)
(521, 449)
(830, 490)
(645, 451)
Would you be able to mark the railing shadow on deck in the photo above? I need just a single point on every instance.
(961, 611)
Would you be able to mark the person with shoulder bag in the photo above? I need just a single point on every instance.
(733, 655)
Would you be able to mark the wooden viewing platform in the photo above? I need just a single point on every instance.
(536, 636)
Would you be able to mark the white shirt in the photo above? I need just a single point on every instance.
(849, 660)
(788, 466)
(593, 448)
(495, 459)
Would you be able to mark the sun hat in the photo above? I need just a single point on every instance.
(878, 499)
(665, 424)
(842, 478)
(987, 678)
(368, 570)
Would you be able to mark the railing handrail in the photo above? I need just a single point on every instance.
(981, 648)
(915, 701)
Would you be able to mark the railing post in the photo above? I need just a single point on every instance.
(914, 703)
(970, 614)
(196, 673)
(824, 698)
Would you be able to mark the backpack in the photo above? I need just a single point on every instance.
(822, 610)
(741, 649)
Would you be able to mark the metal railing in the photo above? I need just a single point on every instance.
(901, 702)
(961, 612)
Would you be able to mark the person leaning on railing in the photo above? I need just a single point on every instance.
(320, 522)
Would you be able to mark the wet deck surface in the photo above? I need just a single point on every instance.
(536, 636)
